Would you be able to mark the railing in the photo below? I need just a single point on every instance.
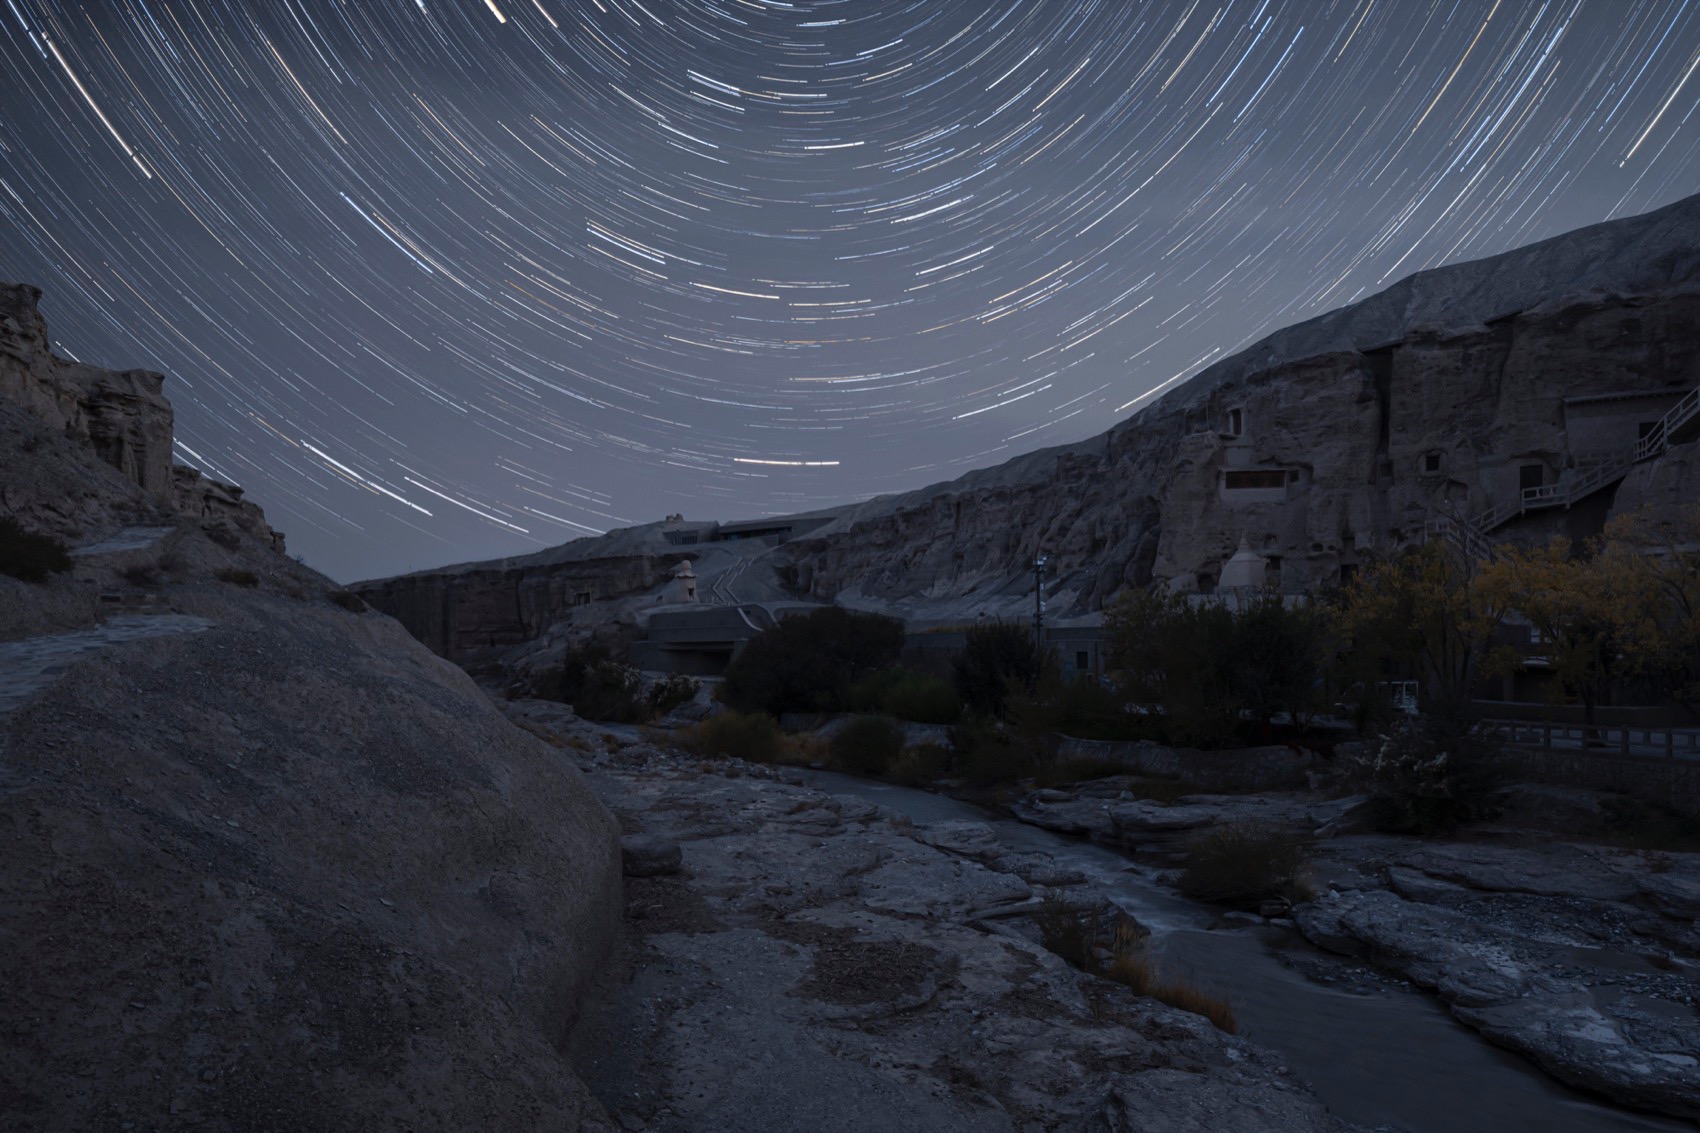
(1593, 473)
(1659, 435)
(1600, 738)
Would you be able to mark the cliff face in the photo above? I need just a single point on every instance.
(472, 612)
(1330, 441)
(119, 418)
(1324, 444)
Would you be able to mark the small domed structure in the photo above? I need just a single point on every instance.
(1247, 570)
(682, 587)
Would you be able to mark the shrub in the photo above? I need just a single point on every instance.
(988, 752)
(1431, 774)
(1075, 769)
(28, 555)
(997, 659)
(867, 745)
(669, 692)
(920, 765)
(236, 576)
(907, 695)
(1243, 863)
(348, 600)
(807, 663)
(610, 692)
(735, 735)
(1071, 934)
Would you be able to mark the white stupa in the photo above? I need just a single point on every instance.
(1247, 570)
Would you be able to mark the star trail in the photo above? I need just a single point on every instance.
(442, 280)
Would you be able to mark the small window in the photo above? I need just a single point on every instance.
(1255, 478)
(1236, 422)
(1348, 571)
(1082, 661)
(1431, 462)
(583, 598)
(1531, 476)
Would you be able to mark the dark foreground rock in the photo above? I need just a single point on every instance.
(266, 863)
(821, 964)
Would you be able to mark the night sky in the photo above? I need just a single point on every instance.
(438, 280)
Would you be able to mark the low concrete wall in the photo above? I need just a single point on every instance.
(1673, 783)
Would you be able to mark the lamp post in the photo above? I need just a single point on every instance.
(1040, 565)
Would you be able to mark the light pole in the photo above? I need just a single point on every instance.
(1039, 566)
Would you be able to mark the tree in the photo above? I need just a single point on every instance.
(1584, 609)
(996, 659)
(807, 663)
(1427, 609)
(1661, 637)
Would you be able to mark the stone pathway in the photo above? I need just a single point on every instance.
(30, 665)
(129, 539)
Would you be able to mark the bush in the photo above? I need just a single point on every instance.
(866, 745)
(30, 556)
(669, 692)
(1431, 774)
(988, 753)
(1244, 863)
(734, 735)
(997, 660)
(807, 663)
(920, 765)
(1072, 935)
(907, 695)
(239, 577)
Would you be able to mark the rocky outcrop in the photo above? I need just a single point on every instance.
(116, 419)
(122, 415)
(270, 864)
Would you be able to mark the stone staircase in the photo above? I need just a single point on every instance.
(1470, 534)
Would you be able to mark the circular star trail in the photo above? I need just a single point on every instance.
(444, 280)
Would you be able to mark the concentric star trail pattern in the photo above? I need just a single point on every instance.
(444, 280)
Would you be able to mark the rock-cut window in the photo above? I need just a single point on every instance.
(1236, 422)
(1255, 478)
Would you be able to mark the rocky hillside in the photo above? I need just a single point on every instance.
(1357, 427)
(270, 863)
(1321, 446)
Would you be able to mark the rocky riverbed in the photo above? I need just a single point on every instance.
(812, 961)
(1580, 955)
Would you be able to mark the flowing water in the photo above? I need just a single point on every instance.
(1393, 1058)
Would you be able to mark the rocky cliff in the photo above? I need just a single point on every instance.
(1327, 442)
(118, 419)
(270, 864)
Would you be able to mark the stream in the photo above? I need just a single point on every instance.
(1390, 1059)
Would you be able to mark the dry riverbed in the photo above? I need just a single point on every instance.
(815, 962)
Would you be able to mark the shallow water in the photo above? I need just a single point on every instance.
(1393, 1058)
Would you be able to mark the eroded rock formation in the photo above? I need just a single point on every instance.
(270, 864)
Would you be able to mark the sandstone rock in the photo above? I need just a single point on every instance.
(269, 863)
(644, 855)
